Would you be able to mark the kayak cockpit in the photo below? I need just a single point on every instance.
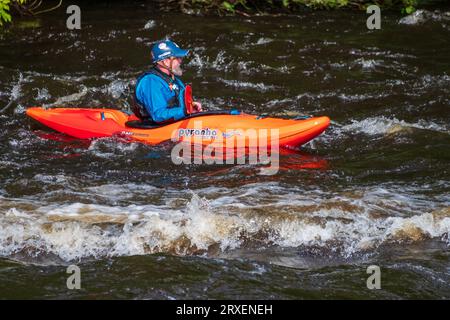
(149, 124)
(144, 124)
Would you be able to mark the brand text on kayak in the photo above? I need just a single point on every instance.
(200, 145)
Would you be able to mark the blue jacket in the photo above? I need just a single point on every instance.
(154, 93)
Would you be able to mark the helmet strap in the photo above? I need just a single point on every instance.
(170, 68)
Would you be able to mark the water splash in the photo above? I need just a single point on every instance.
(150, 24)
(384, 125)
(261, 87)
(423, 16)
(15, 95)
(345, 223)
(69, 98)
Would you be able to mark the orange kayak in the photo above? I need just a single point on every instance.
(204, 128)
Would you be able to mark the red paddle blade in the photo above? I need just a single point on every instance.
(188, 99)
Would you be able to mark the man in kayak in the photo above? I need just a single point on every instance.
(159, 94)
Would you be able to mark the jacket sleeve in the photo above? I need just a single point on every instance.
(154, 95)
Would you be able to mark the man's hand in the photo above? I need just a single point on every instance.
(197, 106)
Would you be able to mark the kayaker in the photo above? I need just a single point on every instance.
(159, 93)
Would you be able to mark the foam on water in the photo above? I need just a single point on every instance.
(117, 88)
(150, 24)
(261, 87)
(345, 223)
(69, 98)
(42, 94)
(16, 90)
(423, 16)
(262, 41)
(221, 62)
(111, 147)
(368, 64)
(383, 125)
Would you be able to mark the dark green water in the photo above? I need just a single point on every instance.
(372, 190)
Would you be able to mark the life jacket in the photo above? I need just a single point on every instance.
(138, 107)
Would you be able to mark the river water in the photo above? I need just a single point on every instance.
(372, 190)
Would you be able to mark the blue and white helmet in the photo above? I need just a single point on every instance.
(165, 49)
